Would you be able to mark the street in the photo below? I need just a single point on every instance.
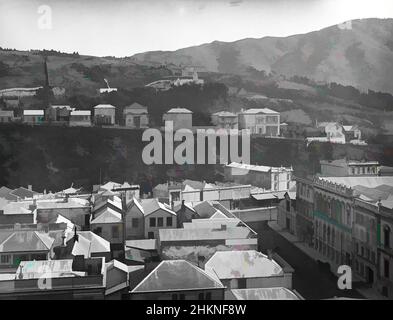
(311, 279)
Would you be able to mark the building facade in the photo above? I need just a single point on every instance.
(136, 116)
(260, 121)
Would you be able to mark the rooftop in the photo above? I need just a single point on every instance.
(80, 113)
(179, 110)
(108, 215)
(263, 110)
(278, 293)
(242, 264)
(152, 205)
(33, 112)
(199, 234)
(88, 243)
(104, 106)
(24, 241)
(174, 275)
(252, 167)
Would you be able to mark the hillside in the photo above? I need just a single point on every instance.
(359, 54)
(53, 158)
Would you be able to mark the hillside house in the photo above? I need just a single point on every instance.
(136, 116)
(104, 114)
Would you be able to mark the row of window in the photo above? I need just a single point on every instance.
(159, 222)
(201, 296)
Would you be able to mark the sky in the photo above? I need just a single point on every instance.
(125, 27)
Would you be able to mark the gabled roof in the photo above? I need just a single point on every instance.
(278, 293)
(88, 243)
(6, 194)
(176, 275)
(242, 264)
(108, 216)
(24, 241)
(179, 110)
(152, 205)
(23, 193)
(262, 110)
(219, 215)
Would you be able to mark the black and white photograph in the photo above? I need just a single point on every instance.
(171, 151)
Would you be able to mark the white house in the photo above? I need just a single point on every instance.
(260, 121)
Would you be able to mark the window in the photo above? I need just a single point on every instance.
(386, 267)
(115, 232)
(150, 235)
(182, 297)
(241, 283)
(135, 222)
(386, 236)
(160, 222)
(174, 296)
(5, 259)
(152, 222)
(169, 221)
(208, 296)
(201, 296)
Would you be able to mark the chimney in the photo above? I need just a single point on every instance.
(269, 254)
(76, 237)
(182, 204)
(33, 206)
(63, 239)
(30, 187)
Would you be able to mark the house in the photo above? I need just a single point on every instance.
(6, 116)
(134, 219)
(225, 119)
(33, 116)
(344, 167)
(58, 113)
(260, 121)
(104, 114)
(181, 118)
(136, 116)
(80, 118)
(108, 224)
(334, 131)
(18, 212)
(198, 244)
(185, 213)
(157, 217)
(178, 280)
(277, 293)
(55, 279)
(352, 132)
(269, 178)
(248, 269)
(120, 278)
(130, 191)
(17, 246)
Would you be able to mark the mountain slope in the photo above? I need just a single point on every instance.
(359, 54)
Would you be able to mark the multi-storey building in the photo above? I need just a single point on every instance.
(260, 121)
